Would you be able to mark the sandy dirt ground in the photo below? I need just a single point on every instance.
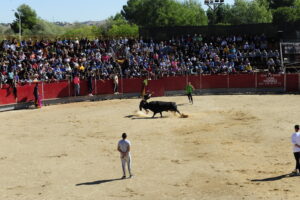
(230, 147)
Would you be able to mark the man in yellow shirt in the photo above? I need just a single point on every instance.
(248, 68)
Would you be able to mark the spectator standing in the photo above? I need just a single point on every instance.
(36, 95)
(76, 82)
(15, 91)
(116, 84)
(189, 90)
(124, 146)
(90, 84)
(10, 78)
(144, 87)
(296, 149)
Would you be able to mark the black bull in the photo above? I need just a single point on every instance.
(158, 106)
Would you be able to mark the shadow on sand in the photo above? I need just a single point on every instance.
(136, 117)
(276, 178)
(183, 104)
(99, 182)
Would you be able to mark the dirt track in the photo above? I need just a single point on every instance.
(227, 149)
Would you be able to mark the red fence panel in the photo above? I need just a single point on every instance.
(133, 85)
(56, 90)
(270, 81)
(242, 81)
(25, 92)
(175, 83)
(214, 81)
(83, 88)
(195, 81)
(157, 87)
(105, 87)
(292, 82)
(6, 95)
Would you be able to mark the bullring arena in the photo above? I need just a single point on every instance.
(230, 147)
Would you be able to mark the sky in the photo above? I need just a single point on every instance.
(66, 10)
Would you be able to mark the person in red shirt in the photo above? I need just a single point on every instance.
(76, 82)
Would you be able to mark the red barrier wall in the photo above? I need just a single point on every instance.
(158, 87)
(175, 83)
(131, 85)
(292, 82)
(242, 81)
(25, 92)
(56, 90)
(270, 81)
(214, 81)
(195, 81)
(105, 87)
(6, 95)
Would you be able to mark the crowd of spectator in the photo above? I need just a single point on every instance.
(46, 60)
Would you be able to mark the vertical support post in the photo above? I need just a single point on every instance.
(69, 87)
(281, 58)
(255, 80)
(299, 82)
(95, 87)
(121, 76)
(43, 90)
(200, 84)
(227, 81)
(284, 82)
(121, 84)
(186, 79)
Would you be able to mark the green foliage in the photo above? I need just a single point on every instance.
(194, 14)
(249, 12)
(297, 9)
(44, 29)
(79, 30)
(125, 30)
(3, 29)
(118, 26)
(264, 3)
(220, 16)
(274, 4)
(28, 18)
(285, 11)
(284, 14)
(164, 13)
(242, 12)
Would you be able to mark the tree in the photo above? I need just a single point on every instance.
(124, 30)
(274, 4)
(265, 3)
(164, 13)
(117, 26)
(132, 10)
(45, 28)
(242, 12)
(80, 30)
(297, 9)
(220, 15)
(249, 12)
(283, 15)
(194, 14)
(28, 18)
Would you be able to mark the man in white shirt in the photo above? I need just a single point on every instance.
(296, 148)
(124, 149)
